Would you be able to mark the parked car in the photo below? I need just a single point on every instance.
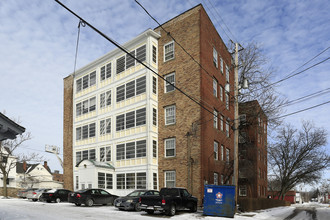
(169, 201)
(131, 201)
(34, 195)
(89, 197)
(22, 193)
(55, 195)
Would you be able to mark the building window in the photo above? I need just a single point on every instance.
(109, 181)
(130, 61)
(141, 85)
(86, 81)
(242, 190)
(227, 155)
(105, 126)
(141, 148)
(154, 85)
(154, 116)
(77, 182)
(86, 131)
(120, 152)
(141, 53)
(120, 181)
(130, 180)
(215, 119)
(222, 152)
(170, 82)
(120, 93)
(154, 148)
(86, 106)
(227, 128)
(170, 115)
(132, 150)
(155, 181)
(168, 51)
(91, 154)
(141, 116)
(170, 178)
(221, 65)
(227, 73)
(221, 180)
(221, 93)
(215, 88)
(215, 57)
(130, 89)
(215, 179)
(105, 99)
(101, 180)
(221, 122)
(154, 54)
(131, 119)
(105, 72)
(105, 154)
(141, 180)
(227, 100)
(216, 150)
(170, 147)
(78, 157)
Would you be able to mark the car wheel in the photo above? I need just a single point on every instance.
(49, 201)
(34, 200)
(150, 212)
(77, 204)
(171, 211)
(193, 207)
(57, 200)
(137, 207)
(89, 202)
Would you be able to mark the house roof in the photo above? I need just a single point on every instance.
(98, 164)
(29, 167)
(8, 128)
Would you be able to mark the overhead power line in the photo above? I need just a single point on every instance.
(124, 50)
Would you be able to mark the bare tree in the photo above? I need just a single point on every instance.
(254, 66)
(298, 156)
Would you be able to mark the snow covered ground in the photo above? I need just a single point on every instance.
(18, 209)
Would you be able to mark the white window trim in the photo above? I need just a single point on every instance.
(165, 174)
(172, 42)
(215, 57)
(166, 83)
(165, 141)
(171, 106)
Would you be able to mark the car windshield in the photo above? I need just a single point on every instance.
(136, 193)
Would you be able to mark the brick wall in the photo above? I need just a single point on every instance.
(68, 133)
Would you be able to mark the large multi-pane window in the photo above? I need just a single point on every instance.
(86, 131)
(85, 155)
(221, 151)
(131, 119)
(105, 154)
(168, 51)
(221, 122)
(131, 150)
(132, 181)
(154, 116)
(101, 180)
(227, 128)
(154, 148)
(170, 178)
(170, 147)
(131, 89)
(141, 180)
(215, 88)
(86, 106)
(121, 181)
(216, 150)
(126, 61)
(227, 100)
(227, 155)
(105, 99)
(221, 93)
(109, 180)
(105, 126)
(215, 119)
(170, 115)
(221, 65)
(215, 57)
(105, 72)
(154, 54)
(170, 82)
(86, 81)
(155, 181)
(227, 73)
(154, 85)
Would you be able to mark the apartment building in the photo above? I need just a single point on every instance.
(252, 180)
(194, 147)
(176, 142)
(110, 120)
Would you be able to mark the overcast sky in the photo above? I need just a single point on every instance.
(38, 39)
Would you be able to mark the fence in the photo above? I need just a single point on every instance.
(251, 204)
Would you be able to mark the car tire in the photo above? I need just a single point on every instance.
(89, 202)
(171, 211)
(34, 200)
(77, 204)
(58, 200)
(193, 207)
(137, 207)
(150, 212)
(48, 201)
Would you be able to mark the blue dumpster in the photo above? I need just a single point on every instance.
(219, 200)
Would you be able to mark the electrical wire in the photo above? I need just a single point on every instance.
(306, 97)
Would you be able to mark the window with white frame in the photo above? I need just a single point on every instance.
(170, 178)
(227, 128)
(216, 150)
(154, 85)
(126, 61)
(227, 155)
(130, 180)
(221, 65)
(215, 178)
(105, 126)
(154, 148)
(101, 180)
(131, 150)
(141, 180)
(227, 100)
(221, 93)
(86, 81)
(77, 182)
(121, 181)
(154, 116)
(222, 153)
(109, 181)
(215, 119)
(105, 99)
(169, 51)
(131, 89)
(86, 131)
(170, 147)
(154, 54)
(155, 181)
(105, 72)
(170, 115)
(227, 73)
(215, 88)
(215, 57)
(131, 119)
(221, 122)
(86, 106)
(105, 154)
(170, 82)
(242, 190)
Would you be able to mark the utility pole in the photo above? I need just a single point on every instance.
(236, 133)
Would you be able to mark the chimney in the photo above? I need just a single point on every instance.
(45, 165)
(24, 166)
(56, 171)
